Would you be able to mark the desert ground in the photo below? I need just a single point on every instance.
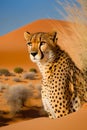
(32, 108)
(13, 53)
(75, 121)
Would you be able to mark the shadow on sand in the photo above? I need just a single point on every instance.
(25, 114)
(4, 118)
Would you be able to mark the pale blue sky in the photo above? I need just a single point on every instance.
(17, 13)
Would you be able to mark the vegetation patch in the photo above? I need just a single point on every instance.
(29, 75)
(4, 72)
(17, 96)
(18, 70)
(33, 70)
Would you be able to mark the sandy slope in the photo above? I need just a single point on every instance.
(13, 50)
(75, 121)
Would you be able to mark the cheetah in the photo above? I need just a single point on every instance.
(64, 86)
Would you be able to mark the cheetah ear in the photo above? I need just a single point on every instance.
(53, 36)
(26, 35)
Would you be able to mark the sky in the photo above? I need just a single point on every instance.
(17, 13)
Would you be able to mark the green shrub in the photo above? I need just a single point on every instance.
(18, 70)
(4, 72)
(33, 70)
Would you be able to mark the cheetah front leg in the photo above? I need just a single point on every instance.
(48, 108)
(50, 115)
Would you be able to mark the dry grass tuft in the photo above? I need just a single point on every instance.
(29, 75)
(76, 12)
(17, 96)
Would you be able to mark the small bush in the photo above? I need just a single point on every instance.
(18, 70)
(4, 72)
(16, 79)
(29, 75)
(17, 96)
(3, 86)
(33, 70)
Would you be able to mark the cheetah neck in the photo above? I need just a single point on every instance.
(54, 56)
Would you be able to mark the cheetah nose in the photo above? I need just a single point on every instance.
(33, 53)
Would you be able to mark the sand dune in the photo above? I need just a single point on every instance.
(13, 50)
(75, 121)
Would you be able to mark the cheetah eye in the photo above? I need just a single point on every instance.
(29, 44)
(42, 43)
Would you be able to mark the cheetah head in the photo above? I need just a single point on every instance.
(40, 45)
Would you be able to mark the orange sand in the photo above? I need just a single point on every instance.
(75, 121)
(13, 53)
(13, 50)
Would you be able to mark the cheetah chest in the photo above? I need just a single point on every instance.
(53, 92)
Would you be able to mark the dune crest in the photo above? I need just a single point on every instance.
(13, 50)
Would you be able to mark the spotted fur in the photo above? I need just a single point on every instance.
(64, 87)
